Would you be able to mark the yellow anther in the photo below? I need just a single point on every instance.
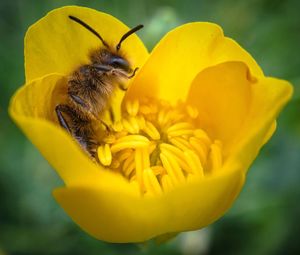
(129, 165)
(215, 157)
(104, 155)
(151, 183)
(194, 162)
(166, 183)
(177, 154)
(134, 123)
(145, 157)
(117, 126)
(125, 154)
(181, 143)
(201, 134)
(180, 126)
(192, 111)
(130, 141)
(172, 168)
(181, 132)
(163, 117)
(130, 126)
(151, 130)
(132, 107)
(141, 162)
(115, 164)
(141, 121)
(152, 147)
(139, 167)
(148, 109)
(177, 116)
(109, 139)
(133, 180)
(158, 170)
(200, 147)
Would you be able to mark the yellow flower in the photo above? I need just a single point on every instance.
(192, 121)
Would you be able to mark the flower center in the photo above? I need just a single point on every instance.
(158, 147)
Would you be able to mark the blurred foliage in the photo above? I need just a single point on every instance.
(264, 220)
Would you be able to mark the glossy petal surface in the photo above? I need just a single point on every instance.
(118, 217)
(237, 108)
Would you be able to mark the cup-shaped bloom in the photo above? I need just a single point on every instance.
(192, 121)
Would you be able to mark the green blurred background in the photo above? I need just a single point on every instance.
(265, 218)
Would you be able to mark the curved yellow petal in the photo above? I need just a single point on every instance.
(222, 95)
(56, 44)
(237, 108)
(32, 108)
(180, 56)
(269, 96)
(118, 217)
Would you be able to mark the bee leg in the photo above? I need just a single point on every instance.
(59, 109)
(78, 100)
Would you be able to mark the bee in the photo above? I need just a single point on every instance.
(90, 88)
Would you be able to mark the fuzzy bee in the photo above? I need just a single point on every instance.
(90, 88)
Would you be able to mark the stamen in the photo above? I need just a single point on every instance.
(169, 169)
(130, 127)
(158, 170)
(130, 141)
(194, 162)
(157, 146)
(104, 155)
(151, 130)
(175, 168)
(199, 147)
(125, 154)
(141, 163)
(177, 154)
(151, 183)
(132, 107)
(180, 143)
(215, 156)
(192, 111)
(117, 126)
(166, 183)
(129, 165)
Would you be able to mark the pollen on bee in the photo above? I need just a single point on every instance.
(157, 147)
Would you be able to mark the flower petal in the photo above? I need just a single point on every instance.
(56, 44)
(32, 108)
(222, 94)
(117, 217)
(237, 108)
(269, 96)
(180, 56)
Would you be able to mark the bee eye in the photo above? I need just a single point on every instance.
(119, 62)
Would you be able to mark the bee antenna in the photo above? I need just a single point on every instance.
(130, 32)
(89, 28)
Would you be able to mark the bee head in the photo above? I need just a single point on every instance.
(119, 63)
(115, 61)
